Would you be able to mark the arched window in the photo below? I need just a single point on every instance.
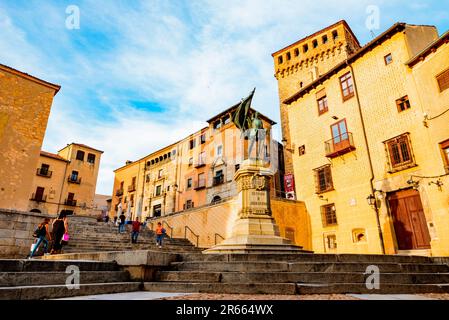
(216, 199)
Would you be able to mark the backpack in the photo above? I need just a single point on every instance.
(40, 231)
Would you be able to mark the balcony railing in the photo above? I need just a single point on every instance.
(339, 145)
(38, 198)
(44, 172)
(119, 192)
(200, 164)
(218, 180)
(70, 202)
(132, 188)
(200, 185)
(74, 179)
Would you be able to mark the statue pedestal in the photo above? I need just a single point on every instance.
(255, 230)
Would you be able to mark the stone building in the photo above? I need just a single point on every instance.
(66, 181)
(25, 103)
(367, 133)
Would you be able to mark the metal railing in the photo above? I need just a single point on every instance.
(119, 192)
(132, 188)
(70, 202)
(193, 233)
(41, 198)
(217, 235)
(74, 179)
(218, 180)
(165, 223)
(339, 145)
(44, 172)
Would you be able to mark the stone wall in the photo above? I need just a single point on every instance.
(214, 222)
(16, 232)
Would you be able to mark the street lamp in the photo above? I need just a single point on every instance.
(371, 199)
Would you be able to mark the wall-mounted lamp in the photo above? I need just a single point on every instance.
(438, 183)
(414, 183)
(335, 117)
(371, 199)
(321, 197)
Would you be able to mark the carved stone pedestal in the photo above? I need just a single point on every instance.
(255, 230)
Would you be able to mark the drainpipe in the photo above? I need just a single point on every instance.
(376, 209)
(62, 187)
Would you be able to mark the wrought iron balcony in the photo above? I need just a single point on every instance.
(339, 145)
(200, 164)
(38, 198)
(218, 180)
(70, 202)
(74, 179)
(43, 172)
(200, 185)
(119, 192)
(132, 188)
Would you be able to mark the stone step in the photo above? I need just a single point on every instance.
(9, 279)
(307, 267)
(307, 258)
(296, 277)
(224, 288)
(291, 288)
(126, 247)
(384, 288)
(61, 291)
(36, 265)
(126, 239)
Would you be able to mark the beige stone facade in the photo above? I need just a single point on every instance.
(374, 128)
(25, 103)
(66, 181)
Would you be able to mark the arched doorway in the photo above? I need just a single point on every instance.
(216, 199)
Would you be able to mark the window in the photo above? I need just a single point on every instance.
(226, 119)
(203, 138)
(202, 158)
(201, 180)
(157, 210)
(335, 34)
(289, 56)
(217, 124)
(403, 104)
(329, 215)
(339, 132)
(400, 152)
(39, 195)
(70, 196)
(133, 181)
(158, 191)
(322, 102)
(280, 60)
(301, 84)
(315, 43)
(219, 178)
(160, 174)
(443, 80)
(91, 158)
(323, 179)
(189, 183)
(148, 178)
(192, 144)
(188, 204)
(325, 39)
(131, 200)
(302, 150)
(44, 170)
(80, 155)
(347, 86)
(190, 162)
(237, 167)
(219, 151)
(305, 48)
(74, 176)
(173, 152)
(296, 52)
(388, 59)
(445, 151)
(330, 242)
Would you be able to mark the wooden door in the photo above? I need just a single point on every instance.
(409, 220)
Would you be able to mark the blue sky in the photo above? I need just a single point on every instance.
(139, 75)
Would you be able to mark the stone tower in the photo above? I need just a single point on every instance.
(302, 62)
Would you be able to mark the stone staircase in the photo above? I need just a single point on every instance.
(301, 274)
(88, 235)
(41, 279)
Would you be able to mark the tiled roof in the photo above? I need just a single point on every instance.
(53, 156)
